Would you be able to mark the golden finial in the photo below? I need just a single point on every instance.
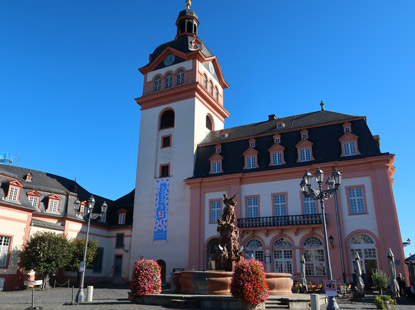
(188, 4)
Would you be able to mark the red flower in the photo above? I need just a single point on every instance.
(146, 278)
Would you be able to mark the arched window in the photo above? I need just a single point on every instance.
(211, 87)
(209, 123)
(157, 83)
(167, 119)
(366, 247)
(314, 257)
(204, 81)
(167, 82)
(216, 94)
(180, 77)
(254, 250)
(283, 256)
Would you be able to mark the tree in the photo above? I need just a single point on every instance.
(380, 280)
(46, 252)
(77, 246)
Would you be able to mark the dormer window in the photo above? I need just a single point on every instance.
(252, 142)
(53, 206)
(157, 84)
(280, 124)
(276, 152)
(14, 191)
(251, 161)
(180, 77)
(223, 134)
(34, 198)
(304, 134)
(305, 154)
(121, 216)
(216, 161)
(349, 149)
(347, 127)
(29, 177)
(277, 138)
(304, 151)
(168, 81)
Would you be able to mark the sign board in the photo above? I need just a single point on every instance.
(331, 288)
(162, 206)
(82, 267)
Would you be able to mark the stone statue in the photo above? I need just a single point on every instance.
(229, 251)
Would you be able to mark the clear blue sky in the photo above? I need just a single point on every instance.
(68, 76)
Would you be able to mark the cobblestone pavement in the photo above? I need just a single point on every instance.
(115, 298)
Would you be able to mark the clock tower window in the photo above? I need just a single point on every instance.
(167, 119)
(180, 77)
(167, 81)
(157, 83)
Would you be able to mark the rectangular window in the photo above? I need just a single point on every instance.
(98, 261)
(277, 158)
(215, 210)
(165, 141)
(216, 167)
(164, 171)
(309, 205)
(53, 206)
(218, 150)
(33, 201)
(103, 218)
(349, 149)
(356, 200)
(305, 155)
(252, 207)
(280, 207)
(14, 191)
(121, 218)
(277, 140)
(4, 250)
(347, 129)
(119, 243)
(252, 144)
(83, 211)
(304, 136)
(251, 162)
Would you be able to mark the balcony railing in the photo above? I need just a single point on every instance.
(289, 220)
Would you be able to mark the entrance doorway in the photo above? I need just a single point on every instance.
(117, 265)
(162, 265)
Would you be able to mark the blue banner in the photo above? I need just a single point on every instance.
(162, 204)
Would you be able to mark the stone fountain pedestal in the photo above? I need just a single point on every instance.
(214, 282)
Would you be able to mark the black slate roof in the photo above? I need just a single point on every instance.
(182, 44)
(291, 122)
(324, 130)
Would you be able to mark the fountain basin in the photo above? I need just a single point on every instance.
(279, 283)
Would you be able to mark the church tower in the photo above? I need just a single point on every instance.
(182, 102)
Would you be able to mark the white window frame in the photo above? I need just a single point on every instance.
(349, 148)
(53, 206)
(215, 166)
(305, 154)
(34, 201)
(283, 256)
(121, 219)
(168, 81)
(315, 259)
(254, 248)
(157, 83)
(205, 81)
(215, 210)
(309, 205)
(252, 144)
(277, 158)
(356, 200)
(365, 246)
(279, 204)
(252, 207)
(277, 140)
(216, 94)
(13, 193)
(211, 87)
(180, 77)
(103, 217)
(250, 162)
(4, 249)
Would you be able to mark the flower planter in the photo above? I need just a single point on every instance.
(279, 283)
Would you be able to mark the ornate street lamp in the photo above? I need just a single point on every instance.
(332, 185)
(80, 297)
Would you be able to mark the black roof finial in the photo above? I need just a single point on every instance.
(322, 105)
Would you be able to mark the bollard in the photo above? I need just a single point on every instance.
(90, 293)
(315, 301)
(33, 299)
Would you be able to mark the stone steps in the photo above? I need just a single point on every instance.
(276, 304)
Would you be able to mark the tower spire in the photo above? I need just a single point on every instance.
(188, 4)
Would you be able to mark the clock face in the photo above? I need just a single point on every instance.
(169, 59)
(211, 68)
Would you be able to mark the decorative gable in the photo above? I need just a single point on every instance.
(215, 163)
(349, 144)
(14, 191)
(53, 205)
(276, 154)
(251, 158)
(34, 198)
(304, 150)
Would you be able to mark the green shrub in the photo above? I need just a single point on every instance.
(380, 280)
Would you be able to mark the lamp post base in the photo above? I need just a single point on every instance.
(332, 305)
(80, 297)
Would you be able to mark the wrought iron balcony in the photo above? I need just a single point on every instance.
(289, 220)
